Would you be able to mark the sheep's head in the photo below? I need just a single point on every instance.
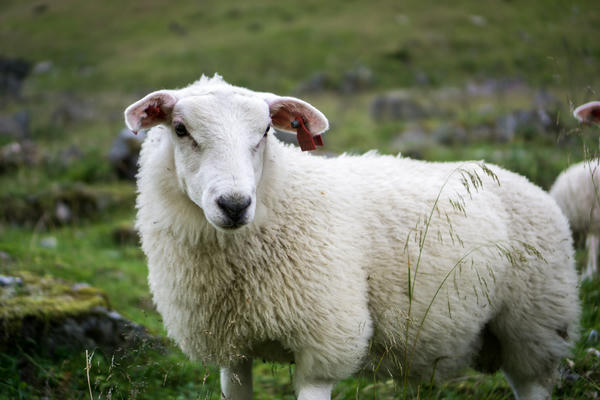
(219, 138)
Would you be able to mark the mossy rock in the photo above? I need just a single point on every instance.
(48, 314)
(46, 299)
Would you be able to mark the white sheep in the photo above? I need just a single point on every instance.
(352, 264)
(577, 192)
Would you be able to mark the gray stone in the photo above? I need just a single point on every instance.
(68, 156)
(63, 212)
(70, 109)
(5, 258)
(49, 242)
(43, 67)
(593, 337)
(177, 28)
(124, 153)
(357, 79)
(506, 127)
(478, 20)
(317, 82)
(546, 101)
(526, 123)
(80, 286)
(15, 126)
(411, 140)
(18, 154)
(491, 87)
(481, 132)
(421, 78)
(10, 281)
(13, 72)
(448, 134)
(397, 105)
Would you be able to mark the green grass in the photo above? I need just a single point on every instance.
(273, 45)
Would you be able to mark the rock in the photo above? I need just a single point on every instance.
(10, 281)
(39, 207)
(546, 101)
(478, 20)
(43, 67)
(69, 156)
(490, 87)
(593, 352)
(63, 213)
(49, 242)
(593, 337)
(71, 109)
(411, 142)
(571, 378)
(317, 82)
(5, 258)
(39, 8)
(124, 153)
(48, 314)
(481, 132)
(421, 78)
(13, 72)
(397, 105)
(177, 28)
(448, 134)
(15, 126)
(357, 79)
(402, 19)
(525, 123)
(80, 286)
(14, 155)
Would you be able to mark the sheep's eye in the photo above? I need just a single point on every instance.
(267, 130)
(181, 130)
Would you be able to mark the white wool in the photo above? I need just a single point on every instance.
(577, 192)
(320, 275)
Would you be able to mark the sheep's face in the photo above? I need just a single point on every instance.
(219, 138)
(219, 141)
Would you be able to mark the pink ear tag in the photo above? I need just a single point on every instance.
(306, 141)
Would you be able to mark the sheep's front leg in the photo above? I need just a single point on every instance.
(315, 391)
(236, 381)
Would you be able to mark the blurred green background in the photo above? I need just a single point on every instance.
(471, 79)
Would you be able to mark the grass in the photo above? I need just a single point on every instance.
(107, 55)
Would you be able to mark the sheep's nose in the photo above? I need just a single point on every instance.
(234, 207)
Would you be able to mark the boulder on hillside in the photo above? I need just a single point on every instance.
(47, 314)
(124, 153)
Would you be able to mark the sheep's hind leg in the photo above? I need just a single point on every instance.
(591, 245)
(530, 389)
(236, 381)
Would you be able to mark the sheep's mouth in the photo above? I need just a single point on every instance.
(230, 226)
(233, 226)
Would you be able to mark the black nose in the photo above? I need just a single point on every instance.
(234, 206)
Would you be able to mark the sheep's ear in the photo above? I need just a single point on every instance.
(294, 115)
(588, 112)
(154, 109)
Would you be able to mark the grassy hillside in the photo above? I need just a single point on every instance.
(472, 76)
